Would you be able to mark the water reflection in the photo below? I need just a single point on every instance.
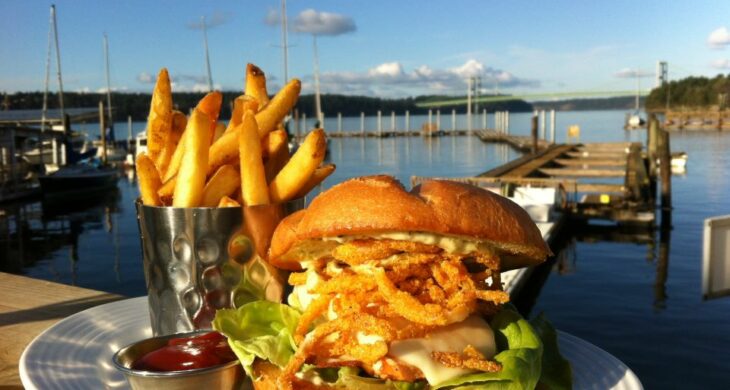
(567, 260)
(33, 232)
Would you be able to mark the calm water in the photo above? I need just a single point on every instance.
(624, 297)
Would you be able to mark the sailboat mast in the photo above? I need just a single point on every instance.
(108, 83)
(317, 101)
(284, 39)
(207, 57)
(638, 89)
(58, 62)
(44, 112)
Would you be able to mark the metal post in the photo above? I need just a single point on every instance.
(392, 122)
(453, 120)
(408, 121)
(542, 125)
(129, 133)
(438, 120)
(362, 123)
(380, 123)
(533, 132)
(339, 122)
(552, 126)
(468, 105)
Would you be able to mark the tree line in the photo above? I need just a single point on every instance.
(691, 93)
(137, 105)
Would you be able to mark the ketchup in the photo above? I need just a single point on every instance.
(187, 353)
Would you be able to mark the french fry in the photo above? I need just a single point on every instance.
(220, 128)
(191, 177)
(149, 180)
(179, 121)
(175, 161)
(240, 105)
(277, 144)
(292, 178)
(224, 182)
(269, 117)
(317, 177)
(159, 121)
(224, 150)
(210, 105)
(228, 202)
(253, 177)
(256, 84)
(167, 190)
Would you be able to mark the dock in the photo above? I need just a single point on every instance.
(580, 169)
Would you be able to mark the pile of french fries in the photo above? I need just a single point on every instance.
(198, 161)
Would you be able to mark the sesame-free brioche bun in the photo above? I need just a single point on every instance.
(375, 205)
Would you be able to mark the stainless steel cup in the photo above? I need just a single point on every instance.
(198, 260)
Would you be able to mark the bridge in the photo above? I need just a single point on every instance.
(460, 101)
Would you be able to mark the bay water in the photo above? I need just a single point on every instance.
(614, 291)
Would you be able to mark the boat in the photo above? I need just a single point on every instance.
(634, 120)
(80, 178)
(36, 154)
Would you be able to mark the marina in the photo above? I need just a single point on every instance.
(122, 179)
(96, 245)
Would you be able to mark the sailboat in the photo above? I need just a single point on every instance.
(635, 120)
(81, 177)
(109, 150)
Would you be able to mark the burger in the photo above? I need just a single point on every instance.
(398, 289)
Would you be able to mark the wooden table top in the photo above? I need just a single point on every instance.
(30, 306)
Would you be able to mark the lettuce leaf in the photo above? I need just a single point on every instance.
(528, 352)
(260, 329)
(556, 372)
(520, 357)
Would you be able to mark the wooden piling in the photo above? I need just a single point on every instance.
(651, 151)
(362, 123)
(665, 169)
(552, 126)
(408, 121)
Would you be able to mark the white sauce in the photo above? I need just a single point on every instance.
(452, 338)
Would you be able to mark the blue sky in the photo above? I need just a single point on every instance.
(378, 48)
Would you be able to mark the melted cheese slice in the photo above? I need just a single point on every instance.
(452, 338)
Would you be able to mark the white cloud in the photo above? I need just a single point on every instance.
(390, 79)
(721, 64)
(146, 78)
(390, 69)
(627, 73)
(323, 23)
(719, 38)
(214, 20)
(272, 17)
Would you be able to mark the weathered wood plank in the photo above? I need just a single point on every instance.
(590, 162)
(28, 307)
(572, 172)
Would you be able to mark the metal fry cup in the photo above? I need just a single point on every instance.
(198, 260)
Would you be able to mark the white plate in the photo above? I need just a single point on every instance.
(76, 352)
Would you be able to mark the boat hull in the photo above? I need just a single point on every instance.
(59, 184)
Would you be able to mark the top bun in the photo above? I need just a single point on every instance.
(373, 205)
